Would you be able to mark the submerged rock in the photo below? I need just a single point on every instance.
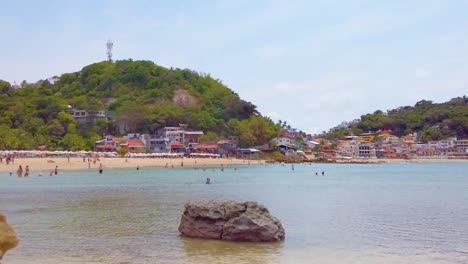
(229, 220)
(8, 239)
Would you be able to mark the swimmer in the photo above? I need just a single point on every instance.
(323, 173)
(208, 180)
(100, 168)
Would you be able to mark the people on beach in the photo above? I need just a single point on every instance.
(19, 172)
(68, 159)
(56, 170)
(26, 173)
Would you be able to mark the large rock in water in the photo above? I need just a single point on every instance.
(8, 239)
(233, 221)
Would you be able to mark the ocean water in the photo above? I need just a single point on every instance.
(356, 213)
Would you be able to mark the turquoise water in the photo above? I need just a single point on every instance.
(373, 213)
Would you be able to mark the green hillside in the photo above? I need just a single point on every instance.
(140, 96)
(430, 120)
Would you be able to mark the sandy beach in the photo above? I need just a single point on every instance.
(43, 165)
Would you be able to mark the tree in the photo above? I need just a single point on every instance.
(5, 87)
(55, 128)
(73, 142)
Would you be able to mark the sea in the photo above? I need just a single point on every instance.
(354, 213)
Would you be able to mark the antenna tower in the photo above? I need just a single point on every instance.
(109, 45)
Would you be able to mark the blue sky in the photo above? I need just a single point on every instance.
(312, 63)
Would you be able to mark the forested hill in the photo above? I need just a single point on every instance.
(139, 95)
(430, 120)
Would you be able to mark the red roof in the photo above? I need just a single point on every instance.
(206, 146)
(135, 143)
(105, 147)
(116, 139)
(176, 145)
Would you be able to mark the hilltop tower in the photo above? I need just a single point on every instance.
(109, 45)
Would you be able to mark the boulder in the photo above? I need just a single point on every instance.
(8, 239)
(232, 221)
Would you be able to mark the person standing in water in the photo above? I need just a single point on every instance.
(19, 172)
(323, 173)
(100, 168)
(208, 181)
(26, 173)
(292, 166)
(138, 167)
(56, 170)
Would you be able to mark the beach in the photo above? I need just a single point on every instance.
(45, 165)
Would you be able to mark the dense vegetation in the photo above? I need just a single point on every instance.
(141, 97)
(430, 120)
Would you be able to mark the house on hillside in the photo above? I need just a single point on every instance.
(190, 138)
(135, 145)
(206, 148)
(460, 149)
(176, 147)
(109, 143)
(364, 150)
(87, 116)
(369, 136)
(154, 144)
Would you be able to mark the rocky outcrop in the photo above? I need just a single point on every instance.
(8, 239)
(233, 221)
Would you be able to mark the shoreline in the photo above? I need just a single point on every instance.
(417, 160)
(42, 165)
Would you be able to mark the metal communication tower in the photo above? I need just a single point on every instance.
(109, 45)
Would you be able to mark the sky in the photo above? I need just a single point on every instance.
(311, 63)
